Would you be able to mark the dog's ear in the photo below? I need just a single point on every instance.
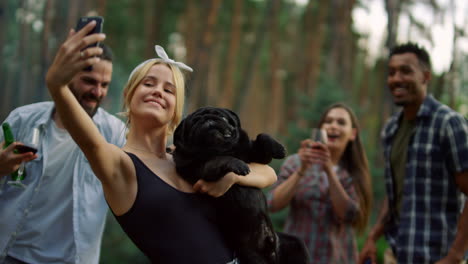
(199, 110)
(179, 133)
(234, 116)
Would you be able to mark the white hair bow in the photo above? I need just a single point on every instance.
(163, 55)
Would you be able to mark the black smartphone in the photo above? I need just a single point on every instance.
(24, 148)
(83, 21)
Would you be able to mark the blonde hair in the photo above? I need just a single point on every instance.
(138, 75)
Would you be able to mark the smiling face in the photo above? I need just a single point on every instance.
(339, 127)
(136, 80)
(155, 96)
(91, 87)
(407, 80)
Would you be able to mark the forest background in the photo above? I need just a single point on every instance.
(277, 63)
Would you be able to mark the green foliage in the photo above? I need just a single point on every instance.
(279, 218)
(381, 247)
(310, 109)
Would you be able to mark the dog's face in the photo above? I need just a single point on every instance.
(210, 130)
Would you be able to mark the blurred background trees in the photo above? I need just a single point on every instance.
(277, 63)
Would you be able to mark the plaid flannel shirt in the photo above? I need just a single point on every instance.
(431, 202)
(311, 216)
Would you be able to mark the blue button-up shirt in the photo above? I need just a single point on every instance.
(89, 206)
(431, 201)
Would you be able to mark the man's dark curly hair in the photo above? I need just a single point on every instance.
(420, 52)
(107, 53)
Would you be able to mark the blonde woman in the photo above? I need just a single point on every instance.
(159, 211)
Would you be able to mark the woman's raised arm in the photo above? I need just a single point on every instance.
(70, 60)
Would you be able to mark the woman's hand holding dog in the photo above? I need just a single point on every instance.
(260, 176)
(217, 188)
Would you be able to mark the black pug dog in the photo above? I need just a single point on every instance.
(210, 143)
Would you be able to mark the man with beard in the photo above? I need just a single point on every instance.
(59, 216)
(425, 214)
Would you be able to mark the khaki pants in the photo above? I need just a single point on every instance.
(389, 258)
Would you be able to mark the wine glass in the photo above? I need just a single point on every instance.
(18, 176)
(318, 135)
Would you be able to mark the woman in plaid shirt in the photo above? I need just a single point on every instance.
(327, 207)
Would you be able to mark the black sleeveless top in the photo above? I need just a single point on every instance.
(171, 226)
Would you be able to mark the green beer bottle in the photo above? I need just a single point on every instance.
(9, 138)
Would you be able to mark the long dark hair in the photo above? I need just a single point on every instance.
(354, 160)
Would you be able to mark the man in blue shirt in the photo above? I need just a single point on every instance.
(59, 217)
(425, 215)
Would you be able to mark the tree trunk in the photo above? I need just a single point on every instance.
(228, 94)
(381, 97)
(4, 18)
(46, 57)
(101, 7)
(339, 65)
(213, 73)
(276, 112)
(453, 65)
(154, 16)
(9, 97)
(254, 111)
(87, 8)
(192, 30)
(393, 8)
(296, 30)
(73, 13)
(200, 75)
(3, 25)
(252, 59)
(149, 32)
(24, 56)
(315, 24)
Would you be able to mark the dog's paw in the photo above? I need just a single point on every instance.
(216, 168)
(271, 145)
(278, 150)
(238, 167)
